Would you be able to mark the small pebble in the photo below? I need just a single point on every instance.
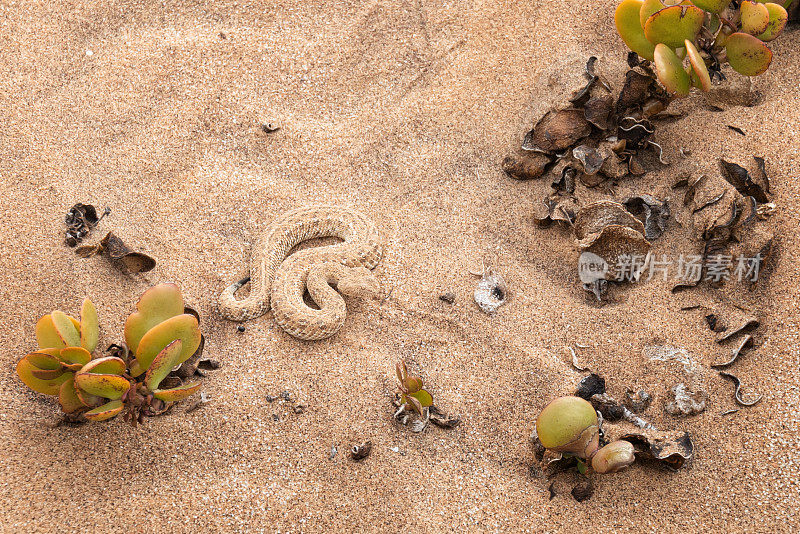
(240, 328)
(448, 297)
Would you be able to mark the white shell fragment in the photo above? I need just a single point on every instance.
(491, 292)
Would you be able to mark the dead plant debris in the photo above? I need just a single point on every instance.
(361, 451)
(119, 254)
(81, 219)
(737, 393)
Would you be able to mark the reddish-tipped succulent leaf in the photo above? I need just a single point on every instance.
(178, 393)
(754, 17)
(106, 411)
(163, 364)
(626, 18)
(701, 75)
(712, 6)
(674, 25)
(747, 54)
(183, 327)
(90, 327)
(778, 17)
(670, 71)
(155, 306)
(102, 385)
(25, 371)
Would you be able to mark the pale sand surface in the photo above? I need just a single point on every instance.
(403, 110)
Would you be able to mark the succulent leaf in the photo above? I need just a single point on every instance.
(47, 374)
(87, 399)
(747, 54)
(68, 398)
(48, 387)
(670, 71)
(425, 399)
(777, 22)
(110, 365)
(699, 67)
(674, 25)
(106, 411)
(183, 327)
(178, 393)
(626, 18)
(163, 364)
(43, 360)
(755, 17)
(102, 385)
(75, 355)
(713, 6)
(90, 328)
(46, 334)
(155, 306)
(65, 327)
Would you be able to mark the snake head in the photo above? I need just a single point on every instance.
(359, 282)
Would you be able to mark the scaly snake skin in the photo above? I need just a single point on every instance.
(280, 280)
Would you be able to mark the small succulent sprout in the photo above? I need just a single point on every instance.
(614, 457)
(674, 25)
(754, 17)
(701, 78)
(626, 18)
(569, 425)
(777, 22)
(411, 389)
(106, 411)
(747, 54)
(670, 71)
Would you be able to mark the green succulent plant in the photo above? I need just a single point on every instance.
(159, 336)
(707, 32)
(569, 425)
(411, 389)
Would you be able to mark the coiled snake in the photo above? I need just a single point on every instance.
(278, 280)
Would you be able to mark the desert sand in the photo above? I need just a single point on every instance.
(403, 110)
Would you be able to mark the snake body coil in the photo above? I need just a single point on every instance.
(278, 280)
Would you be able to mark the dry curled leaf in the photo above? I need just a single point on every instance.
(597, 111)
(526, 165)
(740, 178)
(670, 448)
(119, 254)
(81, 220)
(737, 392)
(654, 211)
(441, 419)
(557, 130)
(745, 342)
(590, 386)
